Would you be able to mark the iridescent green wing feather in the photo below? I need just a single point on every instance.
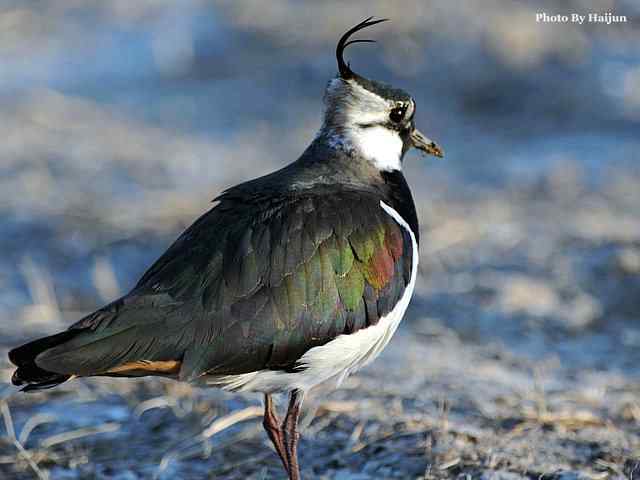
(252, 285)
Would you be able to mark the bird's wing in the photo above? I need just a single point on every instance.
(250, 286)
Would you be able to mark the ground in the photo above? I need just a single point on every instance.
(518, 359)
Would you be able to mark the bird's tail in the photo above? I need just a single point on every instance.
(28, 372)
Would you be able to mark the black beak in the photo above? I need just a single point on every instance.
(419, 141)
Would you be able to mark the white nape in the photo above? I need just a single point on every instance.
(337, 358)
(361, 114)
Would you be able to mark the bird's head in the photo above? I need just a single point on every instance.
(371, 118)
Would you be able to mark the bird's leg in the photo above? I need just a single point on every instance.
(274, 430)
(291, 435)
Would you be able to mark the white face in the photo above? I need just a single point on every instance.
(364, 121)
(383, 147)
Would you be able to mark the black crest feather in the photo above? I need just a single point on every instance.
(344, 69)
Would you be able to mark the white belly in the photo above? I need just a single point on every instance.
(337, 358)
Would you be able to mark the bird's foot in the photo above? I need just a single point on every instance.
(275, 430)
(284, 436)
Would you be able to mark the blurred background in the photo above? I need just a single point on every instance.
(121, 121)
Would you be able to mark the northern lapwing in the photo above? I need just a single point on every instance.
(292, 279)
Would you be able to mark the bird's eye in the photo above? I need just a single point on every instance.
(397, 114)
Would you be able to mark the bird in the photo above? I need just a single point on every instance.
(292, 279)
